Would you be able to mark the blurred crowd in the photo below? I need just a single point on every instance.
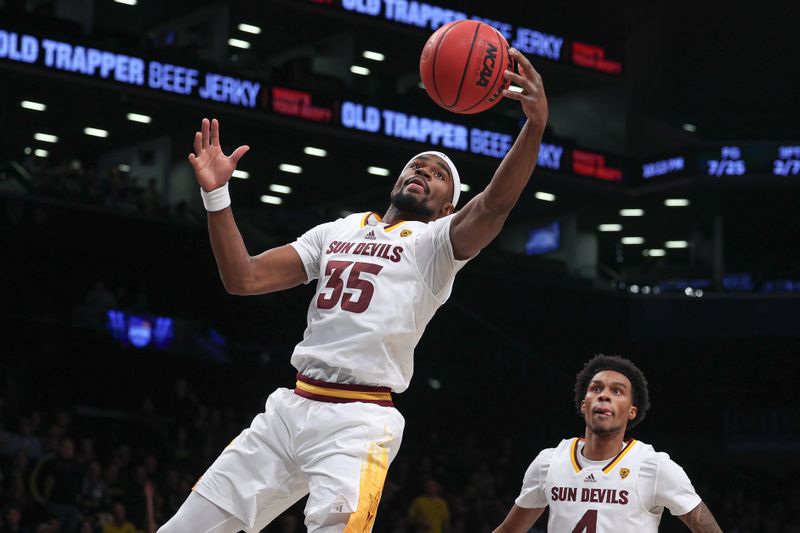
(117, 189)
(93, 470)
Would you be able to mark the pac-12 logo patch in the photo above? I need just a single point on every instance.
(623, 472)
(406, 233)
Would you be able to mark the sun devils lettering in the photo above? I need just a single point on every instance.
(572, 494)
(489, 61)
(372, 249)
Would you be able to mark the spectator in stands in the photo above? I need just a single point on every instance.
(119, 522)
(62, 481)
(429, 512)
(114, 484)
(95, 495)
(12, 521)
(17, 493)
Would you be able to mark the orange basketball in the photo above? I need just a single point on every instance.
(462, 66)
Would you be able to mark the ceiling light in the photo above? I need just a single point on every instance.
(375, 56)
(274, 200)
(291, 169)
(45, 137)
(632, 240)
(126, 2)
(631, 212)
(123, 167)
(136, 117)
(238, 43)
(33, 106)
(654, 252)
(378, 171)
(676, 202)
(610, 227)
(27, 150)
(421, 85)
(361, 71)
(465, 187)
(316, 152)
(545, 196)
(95, 132)
(249, 28)
(676, 244)
(241, 174)
(282, 189)
(691, 128)
(41, 152)
(515, 89)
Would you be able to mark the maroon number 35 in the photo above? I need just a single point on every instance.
(335, 269)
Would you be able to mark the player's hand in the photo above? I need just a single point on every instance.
(532, 97)
(211, 167)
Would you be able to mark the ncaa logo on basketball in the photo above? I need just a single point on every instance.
(623, 472)
(405, 233)
(489, 61)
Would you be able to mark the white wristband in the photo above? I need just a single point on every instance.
(216, 200)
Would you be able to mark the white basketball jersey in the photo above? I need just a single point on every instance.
(620, 495)
(378, 287)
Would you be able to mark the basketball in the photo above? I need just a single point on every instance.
(462, 66)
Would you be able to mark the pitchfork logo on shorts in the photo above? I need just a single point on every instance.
(623, 472)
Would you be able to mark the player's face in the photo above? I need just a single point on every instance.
(425, 188)
(608, 404)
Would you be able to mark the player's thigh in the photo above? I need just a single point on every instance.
(255, 478)
(347, 466)
(199, 515)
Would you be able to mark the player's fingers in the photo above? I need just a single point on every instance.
(204, 129)
(238, 153)
(193, 160)
(519, 97)
(522, 81)
(198, 143)
(214, 141)
(525, 64)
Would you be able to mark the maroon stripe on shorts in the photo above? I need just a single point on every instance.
(333, 399)
(355, 388)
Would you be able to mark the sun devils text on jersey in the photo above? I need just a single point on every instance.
(625, 494)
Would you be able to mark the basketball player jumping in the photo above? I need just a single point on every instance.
(602, 483)
(380, 280)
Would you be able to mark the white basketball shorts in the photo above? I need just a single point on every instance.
(338, 453)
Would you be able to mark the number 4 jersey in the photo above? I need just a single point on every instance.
(625, 494)
(378, 287)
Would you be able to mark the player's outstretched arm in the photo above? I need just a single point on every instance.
(479, 222)
(519, 520)
(276, 269)
(700, 520)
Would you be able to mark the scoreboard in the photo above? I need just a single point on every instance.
(750, 159)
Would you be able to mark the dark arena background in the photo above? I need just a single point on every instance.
(660, 224)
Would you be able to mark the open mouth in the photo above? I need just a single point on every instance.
(602, 411)
(416, 185)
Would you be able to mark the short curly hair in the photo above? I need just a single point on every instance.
(639, 394)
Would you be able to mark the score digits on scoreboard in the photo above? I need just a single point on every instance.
(730, 163)
(788, 162)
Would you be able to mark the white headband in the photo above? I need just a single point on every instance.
(453, 171)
